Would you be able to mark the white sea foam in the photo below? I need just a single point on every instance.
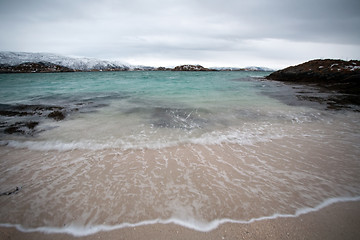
(191, 224)
(234, 136)
(54, 145)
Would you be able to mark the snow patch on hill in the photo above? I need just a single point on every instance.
(83, 64)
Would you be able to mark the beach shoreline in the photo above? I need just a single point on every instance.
(337, 221)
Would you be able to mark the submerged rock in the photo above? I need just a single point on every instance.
(26, 110)
(57, 115)
(26, 128)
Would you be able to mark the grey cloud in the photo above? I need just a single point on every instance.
(191, 29)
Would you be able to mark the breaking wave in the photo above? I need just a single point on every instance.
(233, 136)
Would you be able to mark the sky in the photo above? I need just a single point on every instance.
(224, 33)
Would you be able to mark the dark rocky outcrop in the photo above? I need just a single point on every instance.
(56, 115)
(24, 119)
(337, 74)
(22, 128)
(334, 75)
(27, 119)
(26, 110)
(191, 68)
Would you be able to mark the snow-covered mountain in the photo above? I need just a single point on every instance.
(264, 69)
(82, 64)
(260, 69)
(9, 61)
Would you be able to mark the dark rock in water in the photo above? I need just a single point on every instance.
(335, 75)
(26, 110)
(56, 115)
(13, 113)
(13, 129)
(23, 119)
(31, 125)
(26, 128)
(37, 107)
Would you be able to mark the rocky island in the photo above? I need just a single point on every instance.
(191, 68)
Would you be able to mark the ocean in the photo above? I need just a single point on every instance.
(90, 151)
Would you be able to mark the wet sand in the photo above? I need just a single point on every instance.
(337, 221)
(190, 182)
(284, 175)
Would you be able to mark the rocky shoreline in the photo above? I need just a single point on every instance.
(329, 75)
(25, 119)
(333, 74)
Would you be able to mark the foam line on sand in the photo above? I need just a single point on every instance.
(190, 223)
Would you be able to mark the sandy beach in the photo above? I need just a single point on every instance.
(337, 221)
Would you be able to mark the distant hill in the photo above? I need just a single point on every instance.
(77, 64)
(30, 67)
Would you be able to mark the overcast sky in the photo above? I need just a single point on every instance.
(238, 33)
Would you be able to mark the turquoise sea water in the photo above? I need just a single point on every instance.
(175, 86)
(87, 152)
(123, 106)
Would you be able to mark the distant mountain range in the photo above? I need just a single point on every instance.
(76, 64)
(17, 62)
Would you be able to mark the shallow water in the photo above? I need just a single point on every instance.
(197, 149)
